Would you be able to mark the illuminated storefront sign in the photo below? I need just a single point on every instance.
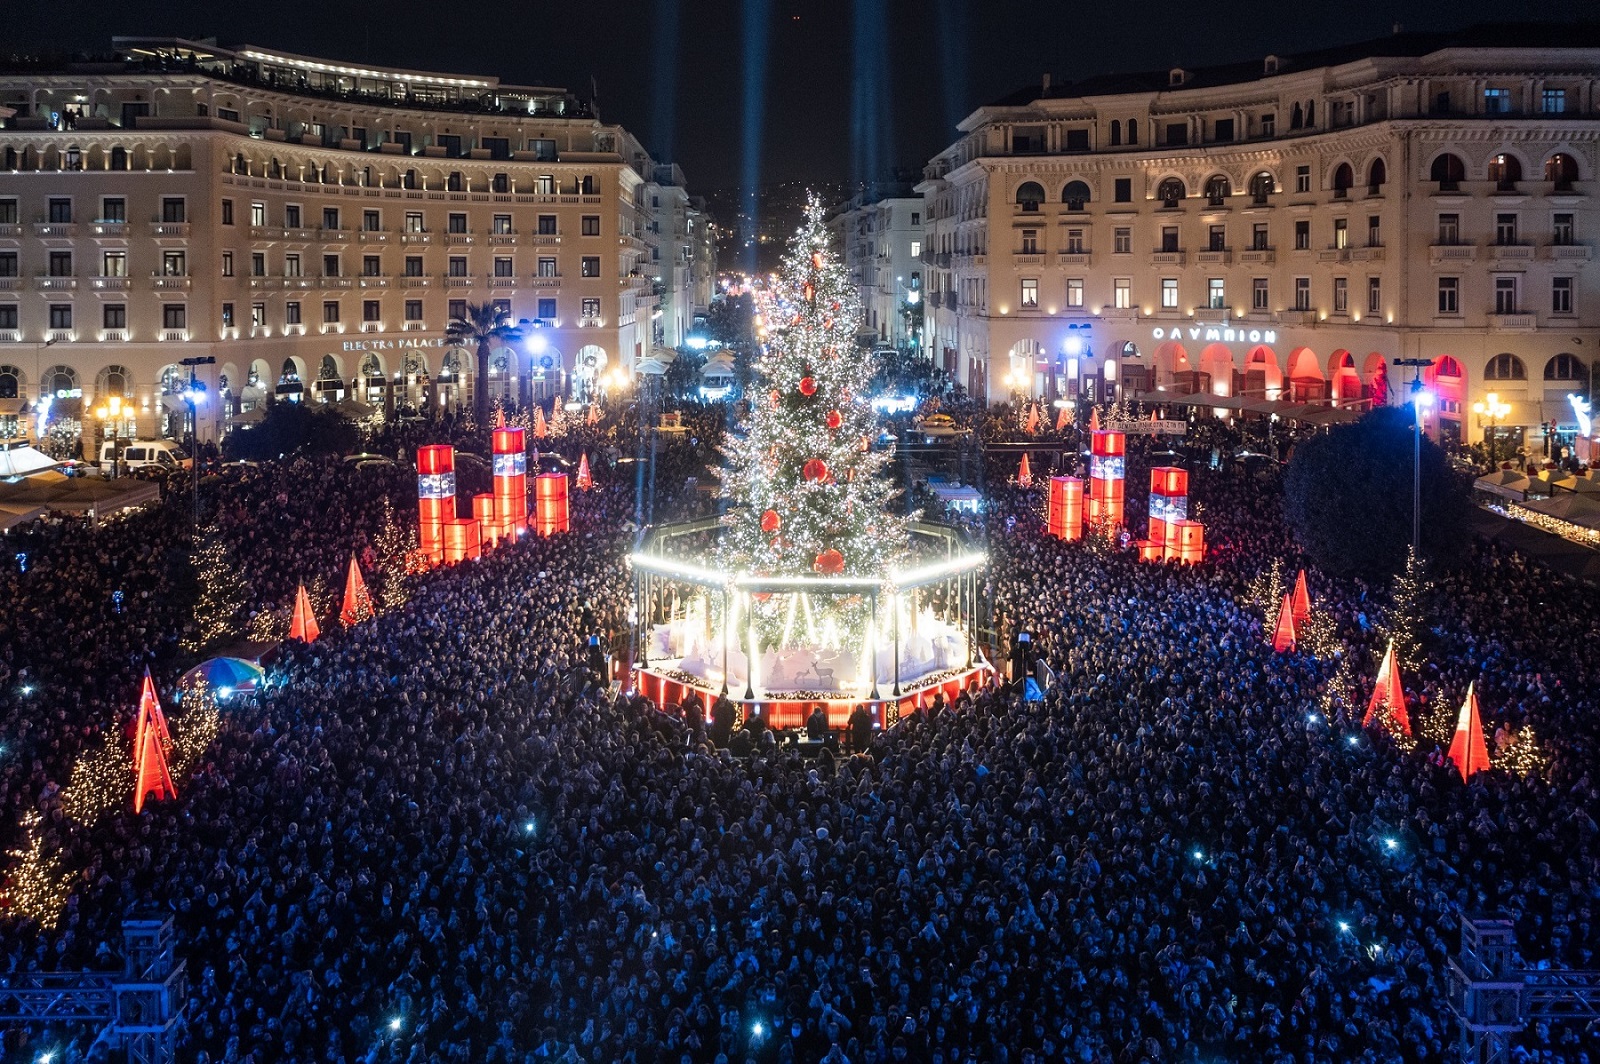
(1225, 334)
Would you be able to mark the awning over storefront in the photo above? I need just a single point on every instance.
(1507, 483)
(1581, 510)
(1553, 483)
(1310, 414)
(21, 460)
(52, 491)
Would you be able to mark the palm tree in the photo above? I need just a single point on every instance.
(482, 326)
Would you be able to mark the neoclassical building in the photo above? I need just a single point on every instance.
(1287, 228)
(313, 225)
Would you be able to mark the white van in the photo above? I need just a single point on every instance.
(136, 454)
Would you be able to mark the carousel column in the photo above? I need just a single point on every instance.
(727, 619)
(872, 647)
(750, 644)
(895, 606)
(641, 620)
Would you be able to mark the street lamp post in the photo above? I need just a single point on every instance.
(1490, 408)
(110, 416)
(1421, 400)
(193, 396)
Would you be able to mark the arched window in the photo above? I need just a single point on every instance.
(290, 374)
(10, 382)
(1170, 192)
(1561, 170)
(1311, 114)
(73, 159)
(1030, 195)
(1505, 367)
(173, 379)
(113, 380)
(329, 371)
(1075, 195)
(59, 381)
(1133, 131)
(1297, 117)
(119, 158)
(1449, 171)
(1130, 350)
(591, 189)
(453, 182)
(1116, 132)
(1343, 178)
(410, 180)
(1447, 366)
(275, 169)
(1565, 367)
(1218, 189)
(1505, 171)
(370, 367)
(240, 166)
(1262, 185)
(1377, 174)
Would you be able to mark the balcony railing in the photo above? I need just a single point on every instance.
(373, 236)
(108, 229)
(1567, 252)
(1168, 258)
(171, 283)
(169, 229)
(109, 284)
(55, 230)
(1438, 253)
(55, 284)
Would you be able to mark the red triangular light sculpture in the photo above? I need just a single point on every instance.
(1024, 471)
(1302, 599)
(1033, 420)
(304, 625)
(1388, 692)
(1061, 420)
(150, 743)
(541, 428)
(585, 478)
(1468, 750)
(357, 603)
(1283, 636)
(594, 414)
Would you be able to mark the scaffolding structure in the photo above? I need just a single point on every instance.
(1494, 996)
(139, 1007)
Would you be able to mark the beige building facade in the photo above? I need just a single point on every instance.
(313, 226)
(1286, 230)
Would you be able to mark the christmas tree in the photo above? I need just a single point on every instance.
(1407, 614)
(222, 598)
(804, 473)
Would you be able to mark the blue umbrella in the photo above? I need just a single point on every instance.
(225, 675)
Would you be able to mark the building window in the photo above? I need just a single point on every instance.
(1030, 242)
(173, 210)
(1505, 171)
(1216, 293)
(1341, 295)
(458, 266)
(1030, 293)
(456, 310)
(1171, 192)
(371, 266)
(547, 268)
(1122, 293)
(591, 308)
(1302, 179)
(258, 315)
(1169, 238)
(1449, 229)
(589, 266)
(1553, 101)
(1561, 230)
(501, 225)
(1302, 293)
(916, 217)
(1222, 132)
(1564, 367)
(1260, 294)
(60, 210)
(1075, 242)
(291, 216)
(1505, 367)
(330, 266)
(547, 225)
(1169, 293)
(456, 223)
(1505, 229)
(174, 264)
(1374, 231)
(60, 264)
(8, 211)
(1075, 291)
(227, 264)
(1269, 124)
(227, 212)
(413, 310)
(371, 310)
(1122, 241)
(258, 264)
(547, 309)
(1341, 233)
(1561, 295)
(8, 263)
(414, 222)
(1177, 134)
(1259, 234)
(227, 315)
(1496, 101)
(371, 221)
(1217, 238)
(502, 266)
(1302, 234)
(1449, 295)
(1122, 188)
(591, 225)
(1374, 295)
(114, 316)
(258, 214)
(291, 312)
(413, 265)
(330, 311)
(8, 320)
(1505, 295)
(174, 316)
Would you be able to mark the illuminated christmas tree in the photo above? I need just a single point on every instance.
(223, 594)
(808, 482)
(1406, 617)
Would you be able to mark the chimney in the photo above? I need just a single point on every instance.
(1046, 89)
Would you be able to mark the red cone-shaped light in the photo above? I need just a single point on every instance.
(1468, 750)
(1302, 599)
(357, 603)
(150, 743)
(585, 479)
(304, 626)
(1283, 637)
(1024, 471)
(1388, 692)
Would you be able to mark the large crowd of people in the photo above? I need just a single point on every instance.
(441, 836)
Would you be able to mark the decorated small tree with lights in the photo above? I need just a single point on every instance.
(222, 598)
(809, 486)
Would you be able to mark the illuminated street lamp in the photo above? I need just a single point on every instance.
(1492, 410)
(110, 416)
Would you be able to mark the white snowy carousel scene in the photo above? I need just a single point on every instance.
(814, 573)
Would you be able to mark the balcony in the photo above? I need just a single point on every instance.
(10, 336)
(372, 326)
(265, 232)
(1168, 258)
(374, 281)
(108, 229)
(109, 284)
(1257, 257)
(415, 282)
(942, 258)
(300, 236)
(170, 230)
(1368, 254)
(10, 231)
(373, 236)
(458, 282)
(334, 236)
(458, 239)
(326, 281)
(1511, 252)
(1029, 258)
(590, 322)
(1515, 322)
(1567, 252)
(10, 284)
(55, 284)
(55, 230)
(416, 237)
(299, 282)
(500, 240)
(266, 282)
(502, 282)
(1440, 253)
(114, 336)
(1074, 258)
(544, 282)
(545, 239)
(174, 336)
(414, 326)
(168, 283)
(1214, 258)
(1333, 255)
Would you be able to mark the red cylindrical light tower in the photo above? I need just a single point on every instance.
(1106, 473)
(511, 480)
(436, 497)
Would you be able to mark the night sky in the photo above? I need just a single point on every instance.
(673, 71)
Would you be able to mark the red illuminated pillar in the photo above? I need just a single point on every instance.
(436, 496)
(511, 480)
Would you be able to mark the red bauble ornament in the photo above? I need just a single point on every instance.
(809, 292)
(816, 259)
(815, 470)
(835, 419)
(829, 563)
(770, 521)
(808, 387)
(776, 399)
